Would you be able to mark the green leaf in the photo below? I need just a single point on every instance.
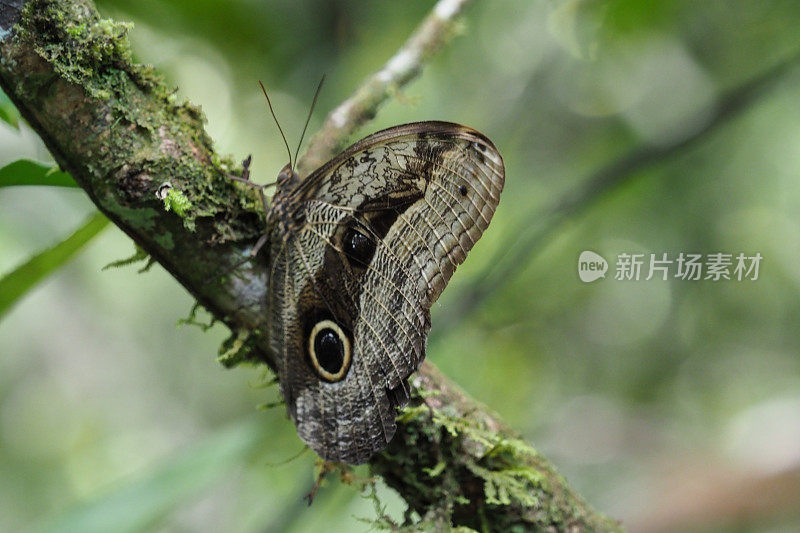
(19, 281)
(138, 504)
(27, 172)
(8, 113)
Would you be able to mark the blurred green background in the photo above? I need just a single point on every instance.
(670, 405)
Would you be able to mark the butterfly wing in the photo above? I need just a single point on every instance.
(378, 232)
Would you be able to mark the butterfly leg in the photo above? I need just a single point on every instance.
(245, 178)
(264, 238)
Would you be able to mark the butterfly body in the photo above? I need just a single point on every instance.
(359, 252)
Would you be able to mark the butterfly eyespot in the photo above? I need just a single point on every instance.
(358, 247)
(462, 189)
(329, 350)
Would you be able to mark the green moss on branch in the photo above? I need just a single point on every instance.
(455, 462)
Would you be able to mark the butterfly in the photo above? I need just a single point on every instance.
(358, 253)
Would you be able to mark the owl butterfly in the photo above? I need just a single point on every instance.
(359, 251)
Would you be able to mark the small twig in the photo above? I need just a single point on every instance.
(405, 65)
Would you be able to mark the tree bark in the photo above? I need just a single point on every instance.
(114, 126)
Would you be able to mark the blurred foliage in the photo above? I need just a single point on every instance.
(8, 113)
(16, 283)
(136, 505)
(632, 388)
(26, 172)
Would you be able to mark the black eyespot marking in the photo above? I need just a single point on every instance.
(358, 248)
(462, 189)
(360, 236)
(329, 351)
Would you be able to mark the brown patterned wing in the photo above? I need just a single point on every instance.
(379, 232)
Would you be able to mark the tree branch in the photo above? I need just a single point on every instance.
(115, 127)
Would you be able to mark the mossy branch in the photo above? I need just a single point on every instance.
(122, 135)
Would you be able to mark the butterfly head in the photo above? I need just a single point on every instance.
(283, 210)
(287, 178)
(285, 184)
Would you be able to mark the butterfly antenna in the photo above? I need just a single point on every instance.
(269, 103)
(308, 118)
